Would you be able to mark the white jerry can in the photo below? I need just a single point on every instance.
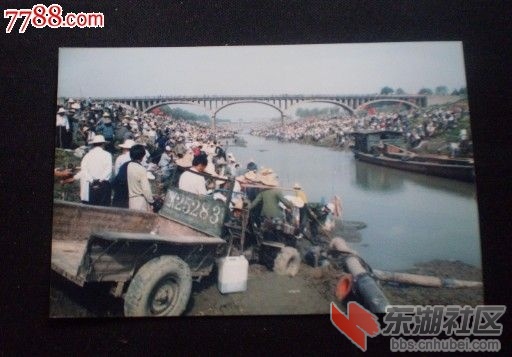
(232, 274)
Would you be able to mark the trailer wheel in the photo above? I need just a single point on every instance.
(287, 262)
(161, 287)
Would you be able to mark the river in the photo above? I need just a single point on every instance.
(410, 217)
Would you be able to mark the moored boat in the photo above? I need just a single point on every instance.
(382, 148)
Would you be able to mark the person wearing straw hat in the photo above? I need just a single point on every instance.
(62, 129)
(180, 148)
(300, 193)
(123, 132)
(87, 134)
(270, 199)
(95, 173)
(168, 167)
(125, 155)
(231, 169)
(107, 130)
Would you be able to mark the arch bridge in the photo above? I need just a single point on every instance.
(282, 103)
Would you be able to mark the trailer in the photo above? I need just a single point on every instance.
(149, 259)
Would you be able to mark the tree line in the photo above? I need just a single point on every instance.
(179, 113)
(318, 112)
(439, 90)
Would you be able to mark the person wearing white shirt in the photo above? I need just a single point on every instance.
(95, 173)
(125, 155)
(192, 182)
(62, 126)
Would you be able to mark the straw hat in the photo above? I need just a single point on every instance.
(296, 201)
(269, 180)
(98, 139)
(128, 143)
(252, 176)
(241, 179)
(297, 186)
(266, 171)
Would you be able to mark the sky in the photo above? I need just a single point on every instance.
(260, 70)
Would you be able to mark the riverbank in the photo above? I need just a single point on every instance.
(309, 292)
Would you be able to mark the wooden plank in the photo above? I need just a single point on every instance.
(75, 221)
(68, 255)
(113, 235)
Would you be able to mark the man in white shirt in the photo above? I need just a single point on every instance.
(125, 155)
(192, 182)
(95, 173)
(62, 127)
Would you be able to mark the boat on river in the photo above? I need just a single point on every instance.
(383, 148)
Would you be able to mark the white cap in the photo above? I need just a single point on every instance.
(98, 139)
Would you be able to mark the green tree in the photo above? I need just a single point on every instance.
(455, 92)
(463, 91)
(441, 90)
(425, 91)
(400, 91)
(386, 91)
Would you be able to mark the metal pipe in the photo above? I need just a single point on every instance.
(373, 297)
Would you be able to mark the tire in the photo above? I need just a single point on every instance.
(161, 287)
(287, 262)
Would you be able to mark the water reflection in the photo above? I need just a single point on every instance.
(410, 217)
(452, 187)
(377, 178)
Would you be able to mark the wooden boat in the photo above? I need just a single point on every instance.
(382, 148)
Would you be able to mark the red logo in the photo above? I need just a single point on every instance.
(356, 324)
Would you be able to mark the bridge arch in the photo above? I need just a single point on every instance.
(344, 106)
(362, 106)
(246, 101)
(157, 105)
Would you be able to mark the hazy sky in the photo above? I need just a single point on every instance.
(298, 69)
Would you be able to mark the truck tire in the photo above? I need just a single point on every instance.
(161, 287)
(287, 262)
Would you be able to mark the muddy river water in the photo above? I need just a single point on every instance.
(410, 218)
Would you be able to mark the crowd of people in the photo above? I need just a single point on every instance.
(416, 125)
(129, 160)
